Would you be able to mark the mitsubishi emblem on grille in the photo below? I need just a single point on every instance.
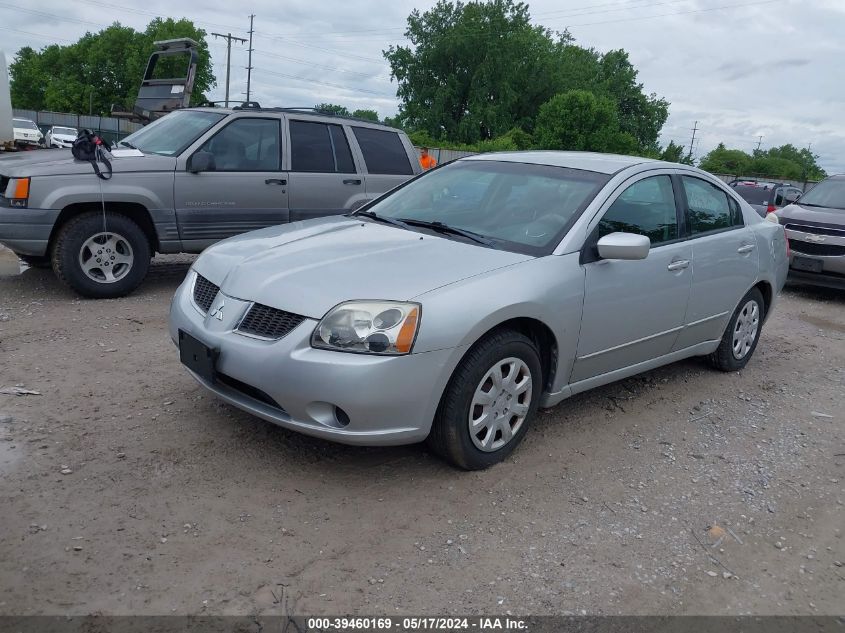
(217, 311)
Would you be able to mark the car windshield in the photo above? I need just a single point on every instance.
(828, 193)
(65, 131)
(513, 206)
(171, 134)
(24, 123)
(754, 195)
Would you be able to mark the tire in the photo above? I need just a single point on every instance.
(503, 351)
(35, 261)
(742, 334)
(122, 252)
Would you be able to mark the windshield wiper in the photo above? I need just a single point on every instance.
(125, 144)
(454, 230)
(381, 218)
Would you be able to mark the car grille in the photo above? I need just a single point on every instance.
(204, 292)
(816, 230)
(821, 250)
(268, 322)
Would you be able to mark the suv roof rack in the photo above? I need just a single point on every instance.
(256, 107)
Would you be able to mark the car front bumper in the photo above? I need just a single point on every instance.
(389, 400)
(825, 252)
(27, 231)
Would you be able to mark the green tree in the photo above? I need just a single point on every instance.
(370, 115)
(579, 120)
(333, 108)
(674, 153)
(810, 169)
(722, 160)
(476, 70)
(100, 69)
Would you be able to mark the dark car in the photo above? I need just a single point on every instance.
(815, 226)
(766, 197)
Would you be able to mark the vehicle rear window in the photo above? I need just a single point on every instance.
(708, 207)
(754, 195)
(383, 151)
(319, 147)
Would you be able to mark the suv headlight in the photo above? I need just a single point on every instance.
(369, 327)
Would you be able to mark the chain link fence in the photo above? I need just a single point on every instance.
(109, 128)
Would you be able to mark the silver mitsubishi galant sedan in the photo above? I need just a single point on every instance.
(454, 306)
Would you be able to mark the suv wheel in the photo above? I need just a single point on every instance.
(742, 334)
(489, 402)
(101, 257)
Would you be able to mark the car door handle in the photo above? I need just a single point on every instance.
(352, 181)
(746, 248)
(275, 181)
(678, 264)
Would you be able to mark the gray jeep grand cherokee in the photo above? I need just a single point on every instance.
(187, 180)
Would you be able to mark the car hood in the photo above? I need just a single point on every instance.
(309, 267)
(55, 162)
(822, 216)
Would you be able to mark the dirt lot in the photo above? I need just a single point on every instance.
(125, 489)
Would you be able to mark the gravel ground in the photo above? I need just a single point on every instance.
(126, 489)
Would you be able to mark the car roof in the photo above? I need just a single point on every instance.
(589, 161)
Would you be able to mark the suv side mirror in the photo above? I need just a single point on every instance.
(623, 246)
(201, 161)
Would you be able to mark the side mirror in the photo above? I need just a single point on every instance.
(201, 161)
(624, 246)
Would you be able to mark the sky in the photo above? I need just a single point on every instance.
(735, 69)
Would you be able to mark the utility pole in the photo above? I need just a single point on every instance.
(692, 141)
(229, 37)
(759, 142)
(249, 63)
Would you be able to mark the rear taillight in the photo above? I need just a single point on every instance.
(771, 208)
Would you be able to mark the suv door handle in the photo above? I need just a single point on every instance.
(352, 181)
(746, 248)
(678, 264)
(275, 181)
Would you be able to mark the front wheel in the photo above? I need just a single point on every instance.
(489, 402)
(742, 334)
(101, 256)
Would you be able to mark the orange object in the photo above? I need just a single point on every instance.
(406, 335)
(427, 162)
(21, 191)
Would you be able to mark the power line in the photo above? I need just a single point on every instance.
(229, 37)
(663, 15)
(326, 83)
(759, 142)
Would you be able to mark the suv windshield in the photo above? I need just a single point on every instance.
(518, 207)
(828, 193)
(171, 134)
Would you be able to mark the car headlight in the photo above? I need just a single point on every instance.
(369, 327)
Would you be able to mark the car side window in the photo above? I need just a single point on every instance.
(709, 209)
(320, 147)
(646, 208)
(383, 151)
(246, 144)
(736, 213)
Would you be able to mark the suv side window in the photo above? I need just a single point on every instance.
(708, 207)
(383, 151)
(319, 147)
(647, 208)
(246, 144)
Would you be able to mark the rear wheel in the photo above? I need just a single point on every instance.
(489, 402)
(101, 257)
(742, 334)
